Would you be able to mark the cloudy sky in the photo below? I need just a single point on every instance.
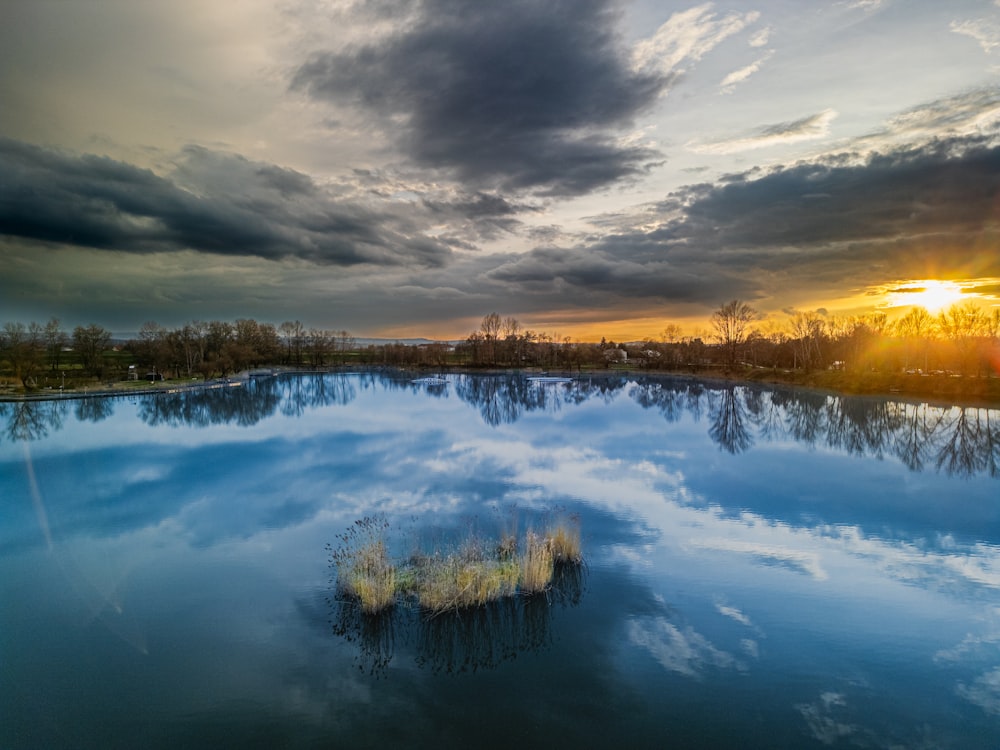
(403, 167)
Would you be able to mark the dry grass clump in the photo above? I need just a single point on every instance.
(507, 548)
(455, 582)
(536, 563)
(478, 573)
(364, 570)
(564, 539)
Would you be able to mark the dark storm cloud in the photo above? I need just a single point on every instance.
(477, 217)
(520, 95)
(949, 187)
(839, 219)
(213, 202)
(594, 270)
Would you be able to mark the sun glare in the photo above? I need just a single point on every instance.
(932, 295)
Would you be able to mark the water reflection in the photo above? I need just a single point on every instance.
(752, 581)
(730, 417)
(958, 441)
(455, 642)
(32, 420)
(93, 409)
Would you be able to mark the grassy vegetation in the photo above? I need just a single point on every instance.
(536, 563)
(446, 582)
(364, 570)
(564, 540)
(477, 573)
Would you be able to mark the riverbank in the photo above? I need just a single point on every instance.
(118, 390)
(940, 389)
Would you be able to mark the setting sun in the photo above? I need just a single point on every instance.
(932, 295)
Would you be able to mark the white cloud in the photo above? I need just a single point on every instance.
(687, 37)
(734, 614)
(822, 722)
(984, 692)
(683, 651)
(738, 76)
(867, 5)
(984, 31)
(809, 128)
(802, 561)
(760, 38)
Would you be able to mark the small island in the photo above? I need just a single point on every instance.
(476, 573)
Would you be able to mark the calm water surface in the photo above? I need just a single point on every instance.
(765, 568)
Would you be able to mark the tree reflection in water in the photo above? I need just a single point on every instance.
(971, 444)
(729, 415)
(962, 441)
(94, 409)
(32, 420)
(457, 641)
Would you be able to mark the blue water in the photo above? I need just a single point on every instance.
(765, 568)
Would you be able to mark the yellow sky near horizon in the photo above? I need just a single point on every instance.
(895, 299)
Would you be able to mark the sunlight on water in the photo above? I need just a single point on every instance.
(763, 568)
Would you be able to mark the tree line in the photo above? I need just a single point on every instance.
(37, 355)
(962, 340)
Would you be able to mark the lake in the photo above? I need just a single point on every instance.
(764, 567)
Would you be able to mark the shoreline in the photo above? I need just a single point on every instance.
(937, 390)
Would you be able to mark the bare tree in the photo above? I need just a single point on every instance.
(320, 342)
(152, 346)
(490, 328)
(294, 334)
(90, 343)
(22, 347)
(731, 322)
(967, 327)
(807, 330)
(55, 340)
(344, 342)
(915, 328)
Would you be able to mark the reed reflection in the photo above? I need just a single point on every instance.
(469, 639)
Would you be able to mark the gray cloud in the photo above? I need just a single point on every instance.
(212, 202)
(805, 224)
(480, 216)
(948, 187)
(513, 96)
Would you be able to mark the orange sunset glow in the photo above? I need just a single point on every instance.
(930, 294)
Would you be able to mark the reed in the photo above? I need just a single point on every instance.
(536, 564)
(365, 571)
(453, 582)
(564, 540)
(480, 572)
(372, 579)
